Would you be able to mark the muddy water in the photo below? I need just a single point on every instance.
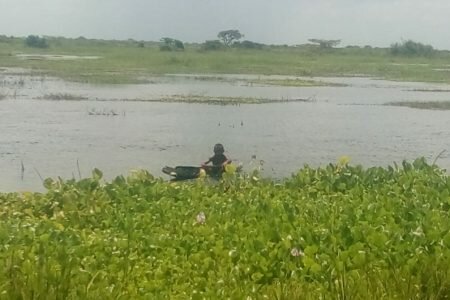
(49, 137)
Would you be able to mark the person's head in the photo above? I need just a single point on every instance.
(218, 149)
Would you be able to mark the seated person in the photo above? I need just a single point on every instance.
(218, 160)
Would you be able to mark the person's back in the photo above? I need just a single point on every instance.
(218, 160)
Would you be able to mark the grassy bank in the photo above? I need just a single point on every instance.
(125, 62)
(337, 232)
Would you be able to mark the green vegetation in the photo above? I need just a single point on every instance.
(229, 37)
(248, 45)
(325, 44)
(432, 90)
(169, 44)
(62, 96)
(338, 232)
(295, 82)
(437, 105)
(127, 62)
(212, 45)
(35, 41)
(411, 48)
(224, 100)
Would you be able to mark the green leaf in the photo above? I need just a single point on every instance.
(48, 183)
(97, 174)
(311, 250)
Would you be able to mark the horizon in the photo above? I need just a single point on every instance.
(340, 45)
(376, 23)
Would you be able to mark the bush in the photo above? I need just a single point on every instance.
(212, 45)
(164, 48)
(248, 45)
(5, 39)
(411, 48)
(35, 41)
(169, 44)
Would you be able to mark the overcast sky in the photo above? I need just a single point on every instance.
(355, 22)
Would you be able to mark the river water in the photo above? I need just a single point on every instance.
(42, 138)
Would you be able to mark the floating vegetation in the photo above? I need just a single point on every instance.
(62, 96)
(229, 100)
(13, 83)
(103, 112)
(337, 232)
(296, 82)
(211, 78)
(436, 105)
(292, 81)
(431, 90)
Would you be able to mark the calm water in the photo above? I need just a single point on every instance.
(49, 137)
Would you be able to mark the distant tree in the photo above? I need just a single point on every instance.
(212, 45)
(141, 45)
(411, 48)
(36, 42)
(248, 45)
(169, 44)
(325, 44)
(4, 38)
(228, 37)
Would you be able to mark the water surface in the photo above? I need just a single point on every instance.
(49, 137)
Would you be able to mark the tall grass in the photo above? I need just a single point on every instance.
(124, 61)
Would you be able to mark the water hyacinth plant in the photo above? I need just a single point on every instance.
(340, 231)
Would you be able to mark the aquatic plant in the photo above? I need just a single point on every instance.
(62, 96)
(339, 231)
(437, 105)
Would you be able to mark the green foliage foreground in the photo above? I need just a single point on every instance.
(340, 232)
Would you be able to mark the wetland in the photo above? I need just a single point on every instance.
(74, 107)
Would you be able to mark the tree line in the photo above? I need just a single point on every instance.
(233, 39)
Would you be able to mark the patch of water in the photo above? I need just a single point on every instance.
(53, 57)
(356, 91)
(50, 137)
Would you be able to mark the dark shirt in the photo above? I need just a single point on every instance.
(218, 159)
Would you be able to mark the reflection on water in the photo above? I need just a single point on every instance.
(49, 137)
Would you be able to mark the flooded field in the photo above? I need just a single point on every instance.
(53, 128)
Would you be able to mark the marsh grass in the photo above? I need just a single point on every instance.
(295, 82)
(431, 90)
(434, 105)
(125, 62)
(62, 96)
(190, 98)
(226, 100)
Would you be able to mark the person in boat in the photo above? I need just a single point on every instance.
(218, 160)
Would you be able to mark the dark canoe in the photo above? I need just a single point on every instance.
(188, 172)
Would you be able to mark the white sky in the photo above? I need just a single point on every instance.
(355, 22)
